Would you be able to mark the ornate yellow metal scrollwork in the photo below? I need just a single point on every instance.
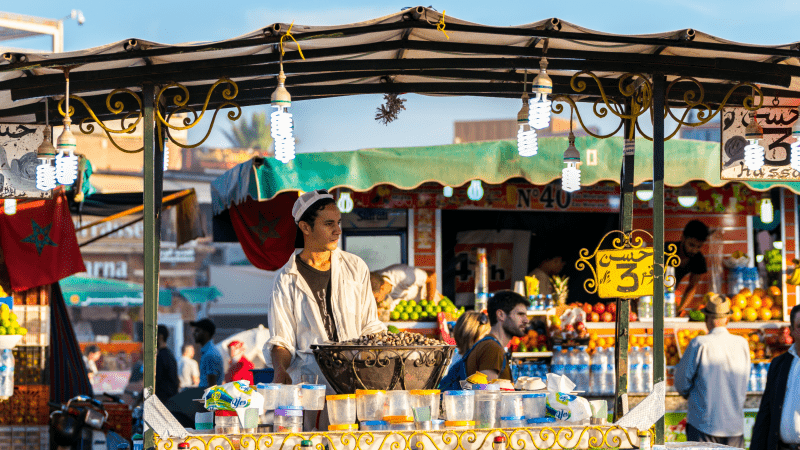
(115, 108)
(180, 102)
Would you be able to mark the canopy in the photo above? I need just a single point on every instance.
(87, 291)
(457, 164)
(200, 294)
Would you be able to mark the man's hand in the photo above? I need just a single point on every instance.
(281, 376)
(281, 358)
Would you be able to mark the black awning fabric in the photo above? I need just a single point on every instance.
(104, 205)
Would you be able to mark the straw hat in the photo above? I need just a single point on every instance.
(717, 307)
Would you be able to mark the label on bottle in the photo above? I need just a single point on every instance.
(635, 367)
(557, 368)
(582, 368)
(596, 367)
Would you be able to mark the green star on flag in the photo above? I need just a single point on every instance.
(40, 237)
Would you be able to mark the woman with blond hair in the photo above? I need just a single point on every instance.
(470, 328)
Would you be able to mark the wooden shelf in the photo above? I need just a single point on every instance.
(671, 324)
(541, 312)
(531, 354)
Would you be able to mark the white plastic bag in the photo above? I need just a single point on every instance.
(564, 406)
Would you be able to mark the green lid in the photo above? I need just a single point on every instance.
(306, 443)
(137, 437)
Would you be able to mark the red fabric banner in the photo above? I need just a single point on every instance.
(39, 243)
(266, 230)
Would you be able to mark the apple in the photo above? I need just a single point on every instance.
(599, 308)
(607, 317)
(633, 317)
(569, 328)
(789, 340)
(612, 307)
(594, 317)
(587, 308)
(580, 326)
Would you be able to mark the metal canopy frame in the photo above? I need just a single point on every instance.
(417, 50)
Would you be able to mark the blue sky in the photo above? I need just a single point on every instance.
(348, 123)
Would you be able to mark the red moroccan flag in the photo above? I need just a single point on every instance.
(39, 243)
(266, 230)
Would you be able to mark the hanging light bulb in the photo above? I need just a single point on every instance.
(345, 203)
(687, 196)
(540, 107)
(166, 155)
(795, 147)
(66, 160)
(447, 191)
(645, 192)
(754, 152)
(10, 206)
(571, 175)
(45, 172)
(281, 121)
(778, 245)
(475, 190)
(767, 213)
(527, 144)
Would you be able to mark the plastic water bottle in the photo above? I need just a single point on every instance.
(598, 373)
(752, 384)
(762, 376)
(582, 369)
(635, 375)
(6, 373)
(647, 370)
(611, 375)
(557, 365)
(571, 368)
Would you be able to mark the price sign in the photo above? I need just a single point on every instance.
(624, 273)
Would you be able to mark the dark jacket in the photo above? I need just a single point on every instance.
(166, 374)
(767, 429)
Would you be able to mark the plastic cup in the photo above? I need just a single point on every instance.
(398, 407)
(459, 406)
(486, 409)
(534, 405)
(289, 395)
(270, 392)
(288, 420)
(512, 422)
(373, 425)
(511, 404)
(459, 425)
(370, 404)
(430, 397)
(341, 409)
(313, 396)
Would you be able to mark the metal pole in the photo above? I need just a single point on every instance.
(658, 238)
(153, 193)
(623, 305)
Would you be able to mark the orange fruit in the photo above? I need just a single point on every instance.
(765, 314)
(739, 300)
(610, 341)
(759, 292)
(592, 337)
(649, 341)
(601, 342)
(750, 314)
(766, 302)
(752, 355)
(745, 291)
(755, 338)
(592, 345)
(777, 314)
(775, 291)
(736, 314)
(754, 302)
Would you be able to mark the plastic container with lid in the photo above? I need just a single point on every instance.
(270, 393)
(398, 407)
(289, 395)
(312, 396)
(459, 406)
(512, 422)
(536, 421)
(429, 397)
(511, 404)
(534, 405)
(487, 404)
(373, 425)
(459, 425)
(341, 409)
(437, 425)
(288, 420)
(343, 427)
(402, 426)
(227, 425)
(370, 404)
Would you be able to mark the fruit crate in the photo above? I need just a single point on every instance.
(36, 319)
(28, 406)
(30, 363)
(39, 296)
(120, 418)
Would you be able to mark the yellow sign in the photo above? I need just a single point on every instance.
(624, 273)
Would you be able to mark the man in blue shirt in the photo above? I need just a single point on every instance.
(211, 368)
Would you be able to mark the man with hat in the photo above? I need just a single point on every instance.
(713, 375)
(322, 294)
(211, 369)
(240, 368)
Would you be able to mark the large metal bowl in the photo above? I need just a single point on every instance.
(351, 367)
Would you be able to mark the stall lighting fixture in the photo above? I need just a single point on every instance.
(767, 213)
(540, 108)
(475, 190)
(166, 155)
(753, 152)
(645, 193)
(10, 206)
(571, 175)
(345, 203)
(795, 147)
(687, 196)
(447, 191)
(66, 159)
(759, 258)
(778, 245)
(281, 120)
(45, 171)
(527, 144)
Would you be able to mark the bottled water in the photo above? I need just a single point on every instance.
(558, 364)
(611, 376)
(6, 373)
(598, 373)
(572, 365)
(635, 376)
(582, 369)
(647, 370)
(762, 376)
(752, 384)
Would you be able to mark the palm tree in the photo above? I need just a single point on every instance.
(253, 134)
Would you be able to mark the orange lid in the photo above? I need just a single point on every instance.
(343, 427)
(459, 423)
(398, 419)
(360, 392)
(340, 397)
(424, 392)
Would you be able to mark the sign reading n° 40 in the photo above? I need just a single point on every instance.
(624, 273)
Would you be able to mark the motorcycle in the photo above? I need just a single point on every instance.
(82, 424)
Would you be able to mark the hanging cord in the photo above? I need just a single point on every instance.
(440, 26)
(66, 99)
(289, 35)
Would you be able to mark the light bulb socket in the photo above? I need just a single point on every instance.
(753, 130)
(67, 140)
(571, 154)
(522, 115)
(281, 97)
(542, 84)
(46, 149)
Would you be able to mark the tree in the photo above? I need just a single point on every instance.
(253, 134)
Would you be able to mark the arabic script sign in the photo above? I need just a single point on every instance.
(625, 273)
(18, 144)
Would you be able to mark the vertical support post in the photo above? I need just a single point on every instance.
(153, 193)
(659, 80)
(623, 305)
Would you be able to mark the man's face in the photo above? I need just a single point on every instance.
(95, 356)
(796, 330)
(516, 321)
(189, 352)
(554, 266)
(200, 335)
(326, 231)
(692, 246)
(235, 352)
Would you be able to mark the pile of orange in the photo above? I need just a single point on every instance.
(757, 305)
(671, 351)
(596, 341)
(686, 336)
